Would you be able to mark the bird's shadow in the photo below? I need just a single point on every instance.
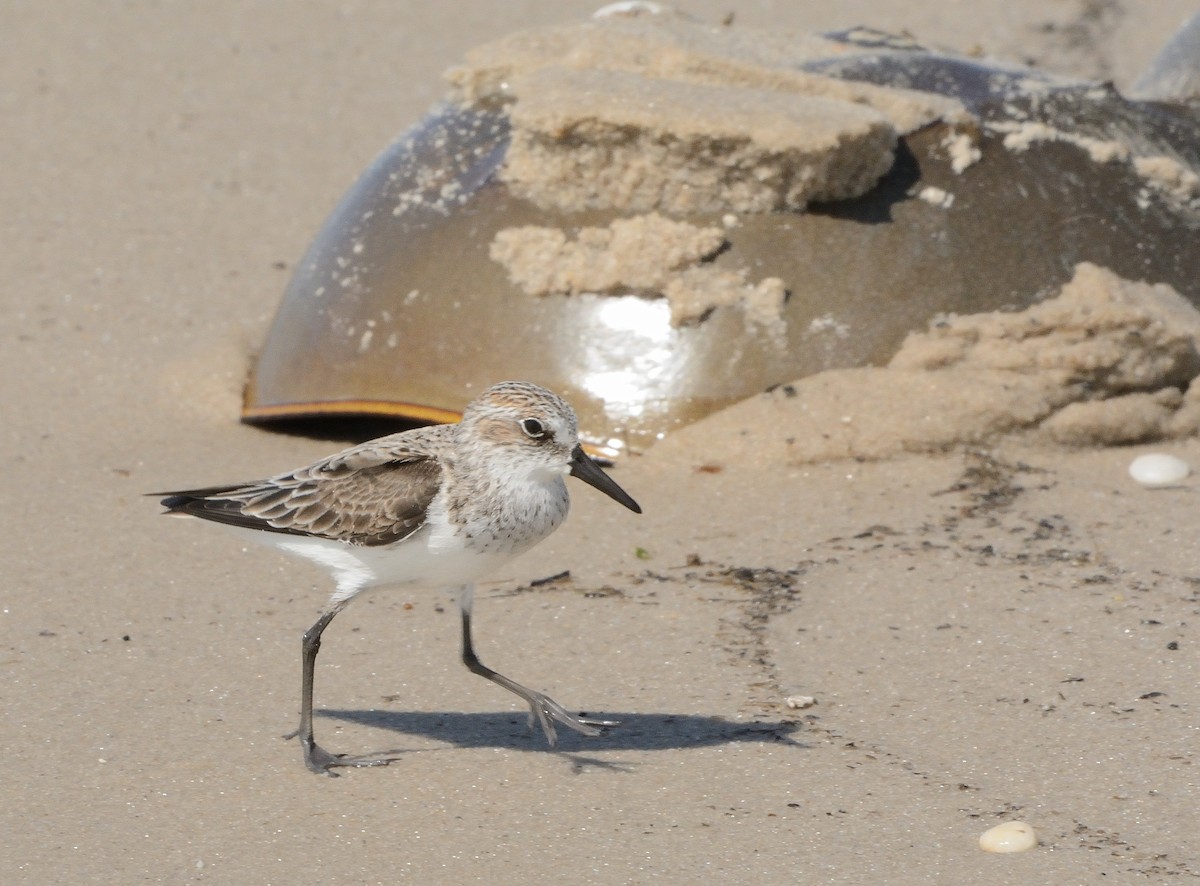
(510, 730)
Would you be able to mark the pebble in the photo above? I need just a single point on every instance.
(1158, 469)
(799, 701)
(1012, 836)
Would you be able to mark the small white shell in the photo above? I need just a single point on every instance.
(936, 197)
(799, 701)
(630, 8)
(1158, 469)
(1012, 836)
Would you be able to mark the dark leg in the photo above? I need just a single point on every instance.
(316, 757)
(542, 708)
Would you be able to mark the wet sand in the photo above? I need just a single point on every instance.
(989, 634)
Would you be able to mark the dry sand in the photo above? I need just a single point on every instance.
(988, 634)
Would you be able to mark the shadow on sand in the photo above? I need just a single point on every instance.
(509, 730)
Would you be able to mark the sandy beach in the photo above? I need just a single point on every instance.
(990, 633)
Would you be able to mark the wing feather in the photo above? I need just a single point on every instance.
(374, 494)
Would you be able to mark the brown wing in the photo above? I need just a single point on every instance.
(372, 494)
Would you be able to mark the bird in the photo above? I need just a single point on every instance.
(438, 506)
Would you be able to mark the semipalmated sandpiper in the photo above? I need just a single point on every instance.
(436, 506)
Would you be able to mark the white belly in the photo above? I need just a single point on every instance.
(439, 554)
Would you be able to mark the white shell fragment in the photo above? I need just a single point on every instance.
(629, 7)
(1158, 469)
(799, 701)
(1012, 836)
(936, 197)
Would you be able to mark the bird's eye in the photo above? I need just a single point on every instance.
(534, 429)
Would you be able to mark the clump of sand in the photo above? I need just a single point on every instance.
(611, 139)
(1107, 361)
(670, 46)
(645, 255)
(662, 113)
(639, 253)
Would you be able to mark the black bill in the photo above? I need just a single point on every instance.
(589, 472)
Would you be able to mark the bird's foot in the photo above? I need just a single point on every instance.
(322, 762)
(544, 711)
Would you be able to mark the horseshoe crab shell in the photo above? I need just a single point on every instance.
(481, 244)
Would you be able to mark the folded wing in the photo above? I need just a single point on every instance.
(374, 494)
